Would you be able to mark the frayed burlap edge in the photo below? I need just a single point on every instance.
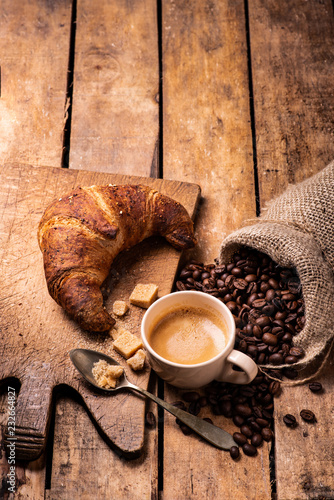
(290, 247)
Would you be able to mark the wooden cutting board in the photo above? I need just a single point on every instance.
(36, 335)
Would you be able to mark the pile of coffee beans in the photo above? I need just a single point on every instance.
(250, 406)
(264, 298)
(267, 305)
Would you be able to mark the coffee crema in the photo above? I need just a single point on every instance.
(188, 335)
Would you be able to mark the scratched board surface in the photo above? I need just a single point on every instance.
(36, 334)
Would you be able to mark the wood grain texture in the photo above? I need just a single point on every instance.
(36, 334)
(206, 120)
(29, 477)
(207, 135)
(293, 66)
(34, 48)
(79, 451)
(115, 118)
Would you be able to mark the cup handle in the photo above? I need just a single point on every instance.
(240, 359)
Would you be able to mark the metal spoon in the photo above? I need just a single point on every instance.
(84, 359)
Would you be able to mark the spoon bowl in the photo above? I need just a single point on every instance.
(84, 360)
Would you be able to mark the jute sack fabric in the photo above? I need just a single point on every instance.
(297, 230)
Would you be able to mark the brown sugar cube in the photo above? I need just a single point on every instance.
(137, 361)
(144, 295)
(127, 344)
(120, 307)
(114, 333)
(106, 375)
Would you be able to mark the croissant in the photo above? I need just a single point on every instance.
(81, 234)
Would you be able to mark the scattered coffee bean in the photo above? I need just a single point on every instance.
(249, 449)
(194, 407)
(246, 431)
(308, 416)
(179, 404)
(208, 419)
(185, 429)
(239, 438)
(267, 434)
(257, 440)
(315, 387)
(274, 388)
(234, 452)
(290, 420)
(189, 397)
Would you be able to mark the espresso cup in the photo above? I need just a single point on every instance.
(179, 360)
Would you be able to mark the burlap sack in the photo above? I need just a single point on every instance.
(297, 230)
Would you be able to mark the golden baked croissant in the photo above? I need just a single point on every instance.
(81, 234)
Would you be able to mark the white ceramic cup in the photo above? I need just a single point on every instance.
(197, 375)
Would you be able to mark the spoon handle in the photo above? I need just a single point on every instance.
(216, 436)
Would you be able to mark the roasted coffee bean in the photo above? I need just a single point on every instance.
(270, 295)
(276, 359)
(270, 339)
(150, 420)
(290, 360)
(259, 303)
(315, 387)
(263, 321)
(290, 420)
(246, 431)
(243, 410)
(298, 352)
(180, 286)
(240, 284)
(179, 404)
(208, 419)
(294, 285)
(185, 429)
(267, 434)
(257, 440)
(308, 416)
(274, 388)
(273, 283)
(226, 408)
(234, 452)
(262, 422)
(249, 450)
(190, 396)
(252, 351)
(239, 438)
(238, 420)
(255, 427)
(194, 407)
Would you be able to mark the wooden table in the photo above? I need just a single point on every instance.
(234, 96)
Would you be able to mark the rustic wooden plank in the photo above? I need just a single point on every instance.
(207, 136)
(206, 121)
(115, 118)
(26, 480)
(306, 452)
(114, 128)
(293, 64)
(34, 47)
(33, 344)
(80, 452)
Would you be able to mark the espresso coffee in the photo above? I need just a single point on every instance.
(188, 336)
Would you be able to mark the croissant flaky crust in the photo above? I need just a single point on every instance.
(81, 234)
